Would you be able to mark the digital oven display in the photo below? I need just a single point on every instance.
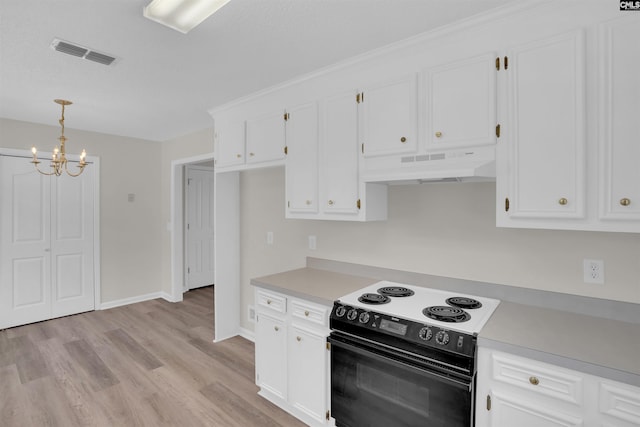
(393, 327)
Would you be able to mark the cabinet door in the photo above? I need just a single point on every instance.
(271, 355)
(461, 100)
(301, 166)
(546, 128)
(340, 154)
(229, 142)
(389, 118)
(265, 138)
(307, 372)
(619, 113)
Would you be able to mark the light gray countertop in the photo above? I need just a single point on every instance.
(594, 345)
(602, 347)
(320, 286)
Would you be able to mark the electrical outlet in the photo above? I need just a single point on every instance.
(312, 243)
(594, 271)
(251, 314)
(269, 237)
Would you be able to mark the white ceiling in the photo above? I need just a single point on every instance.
(164, 82)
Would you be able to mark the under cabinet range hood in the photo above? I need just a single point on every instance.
(477, 165)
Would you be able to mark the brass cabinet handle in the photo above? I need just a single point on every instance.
(308, 202)
(251, 154)
(534, 380)
(238, 155)
(306, 313)
(625, 202)
(438, 134)
(268, 302)
(563, 201)
(403, 139)
(330, 202)
(276, 328)
(299, 338)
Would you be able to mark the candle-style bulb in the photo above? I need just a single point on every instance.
(34, 150)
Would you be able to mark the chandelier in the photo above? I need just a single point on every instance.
(58, 157)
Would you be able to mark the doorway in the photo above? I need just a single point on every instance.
(199, 225)
(177, 224)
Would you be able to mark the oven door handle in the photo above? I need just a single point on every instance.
(383, 358)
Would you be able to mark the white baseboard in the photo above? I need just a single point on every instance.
(133, 300)
(246, 333)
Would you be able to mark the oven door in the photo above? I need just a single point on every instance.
(375, 386)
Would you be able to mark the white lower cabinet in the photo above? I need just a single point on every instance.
(517, 391)
(292, 360)
(271, 366)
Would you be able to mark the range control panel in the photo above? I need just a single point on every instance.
(386, 328)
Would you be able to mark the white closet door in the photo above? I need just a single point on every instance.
(200, 230)
(72, 278)
(25, 243)
(46, 243)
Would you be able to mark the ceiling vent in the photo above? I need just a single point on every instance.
(82, 52)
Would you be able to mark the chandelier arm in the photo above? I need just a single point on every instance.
(43, 173)
(66, 168)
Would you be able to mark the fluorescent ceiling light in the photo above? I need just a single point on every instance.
(182, 15)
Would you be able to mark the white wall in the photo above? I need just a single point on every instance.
(130, 249)
(441, 229)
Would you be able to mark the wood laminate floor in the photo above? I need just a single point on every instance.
(147, 364)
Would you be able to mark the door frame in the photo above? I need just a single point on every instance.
(176, 226)
(93, 161)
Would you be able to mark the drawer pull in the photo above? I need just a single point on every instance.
(403, 139)
(438, 134)
(299, 338)
(268, 302)
(625, 202)
(306, 313)
(534, 380)
(563, 201)
(276, 328)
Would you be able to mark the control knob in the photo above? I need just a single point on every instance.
(340, 311)
(352, 314)
(364, 317)
(442, 338)
(425, 333)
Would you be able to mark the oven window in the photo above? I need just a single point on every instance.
(371, 390)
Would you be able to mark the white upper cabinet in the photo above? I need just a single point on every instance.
(389, 117)
(619, 133)
(461, 103)
(265, 137)
(229, 142)
(322, 164)
(340, 155)
(546, 128)
(301, 166)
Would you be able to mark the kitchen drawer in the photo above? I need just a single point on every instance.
(313, 313)
(537, 377)
(271, 301)
(620, 402)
